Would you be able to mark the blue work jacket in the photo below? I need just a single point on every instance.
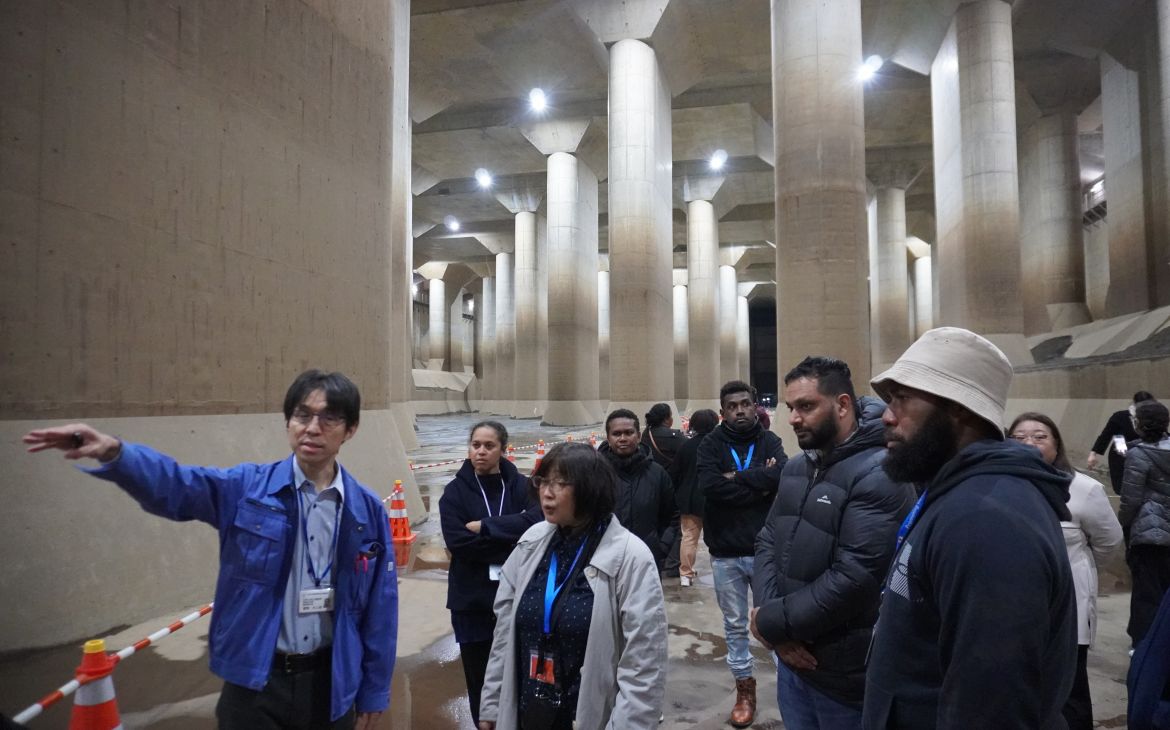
(253, 507)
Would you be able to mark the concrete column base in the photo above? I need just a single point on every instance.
(698, 404)
(1068, 314)
(403, 414)
(1015, 346)
(640, 408)
(435, 363)
(573, 413)
(528, 408)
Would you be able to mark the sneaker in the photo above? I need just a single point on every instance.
(686, 581)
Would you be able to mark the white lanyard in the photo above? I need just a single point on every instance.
(485, 499)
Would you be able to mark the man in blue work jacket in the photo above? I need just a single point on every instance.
(306, 603)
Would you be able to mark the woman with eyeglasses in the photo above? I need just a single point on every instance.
(580, 638)
(1090, 536)
(484, 510)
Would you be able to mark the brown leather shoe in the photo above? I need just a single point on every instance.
(744, 711)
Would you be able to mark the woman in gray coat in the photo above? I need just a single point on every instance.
(579, 612)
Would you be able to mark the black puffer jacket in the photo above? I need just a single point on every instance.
(645, 500)
(736, 507)
(1145, 494)
(685, 475)
(824, 552)
(978, 625)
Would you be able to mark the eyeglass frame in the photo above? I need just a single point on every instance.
(556, 486)
(1036, 438)
(327, 420)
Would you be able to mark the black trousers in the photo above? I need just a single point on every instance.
(1078, 710)
(474, 655)
(288, 702)
(1150, 567)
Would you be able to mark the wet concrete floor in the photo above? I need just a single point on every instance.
(168, 686)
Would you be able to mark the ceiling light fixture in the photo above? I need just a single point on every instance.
(537, 100)
(870, 67)
(451, 222)
(718, 160)
(484, 178)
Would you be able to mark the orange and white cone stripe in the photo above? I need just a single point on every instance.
(95, 707)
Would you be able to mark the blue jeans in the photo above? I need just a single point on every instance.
(733, 578)
(804, 708)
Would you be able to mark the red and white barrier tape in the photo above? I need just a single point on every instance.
(71, 686)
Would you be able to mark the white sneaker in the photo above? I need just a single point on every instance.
(686, 581)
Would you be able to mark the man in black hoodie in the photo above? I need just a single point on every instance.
(825, 548)
(739, 467)
(977, 625)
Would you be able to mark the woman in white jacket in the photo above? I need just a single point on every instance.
(579, 612)
(1091, 535)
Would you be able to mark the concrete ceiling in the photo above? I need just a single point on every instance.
(473, 63)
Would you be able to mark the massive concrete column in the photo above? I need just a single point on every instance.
(438, 318)
(572, 291)
(703, 376)
(640, 233)
(923, 296)
(821, 234)
(526, 398)
(728, 313)
(603, 332)
(973, 104)
(541, 313)
(457, 351)
(891, 288)
(681, 339)
(505, 335)
(1159, 209)
(743, 339)
(1052, 253)
(486, 317)
(400, 361)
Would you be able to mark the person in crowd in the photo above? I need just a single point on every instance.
(484, 510)
(762, 415)
(1148, 680)
(1145, 516)
(1119, 430)
(580, 639)
(977, 626)
(825, 548)
(664, 441)
(1090, 536)
(688, 497)
(645, 496)
(739, 469)
(306, 603)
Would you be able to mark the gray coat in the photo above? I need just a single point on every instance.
(623, 679)
(1145, 494)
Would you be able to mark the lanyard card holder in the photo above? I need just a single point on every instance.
(542, 708)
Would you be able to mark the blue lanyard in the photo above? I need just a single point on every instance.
(551, 589)
(305, 539)
(908, 523)
(741, 465)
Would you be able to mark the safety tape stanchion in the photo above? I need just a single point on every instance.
(71, 686)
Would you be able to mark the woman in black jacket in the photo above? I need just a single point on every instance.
(1145, 516)
(684, 472)
(662, 439)
(484, 510)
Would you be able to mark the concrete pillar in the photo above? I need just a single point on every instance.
(1051, 230)
(681, 343)
(923, 296)
(401, 240)
(743, 339)
(640, 193)
(456, 335)
(891, 287)
(573, 388)
(486, 317)
(973, 104)
(526, 398)
(541, 313)
(821, 235)
(505, 335)
(438, 320)
(1159, 207)
(728, 313)
(1121, 125)
(703, 376)
(603, 336)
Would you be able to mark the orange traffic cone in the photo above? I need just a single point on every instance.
(402, 552)
(94, 705)
(399, 520)
(539, 455)
(593, 439)
(511, 453)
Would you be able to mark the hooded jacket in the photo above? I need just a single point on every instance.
(977, 626)
(645, 499)
(469, 587)
(736, 507)
(824, 552)
(1145, 494)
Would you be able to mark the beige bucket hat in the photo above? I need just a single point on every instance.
(958, 365)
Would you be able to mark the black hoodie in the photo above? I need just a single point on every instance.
(978, 623)
(736, 507)
(645, 500)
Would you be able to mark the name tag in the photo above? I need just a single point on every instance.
(494, 572)
(316, 600)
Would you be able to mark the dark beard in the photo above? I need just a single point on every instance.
(820, 437)
(920, 458)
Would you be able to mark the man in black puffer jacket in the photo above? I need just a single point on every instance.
(739, 468)
(645, 502)
(825, 548)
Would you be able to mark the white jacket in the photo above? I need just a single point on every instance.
(1090, 537)
(623, 679)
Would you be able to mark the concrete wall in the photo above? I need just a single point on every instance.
(196, 206)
